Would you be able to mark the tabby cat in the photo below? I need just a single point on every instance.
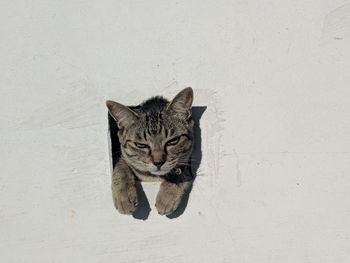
(156, 141)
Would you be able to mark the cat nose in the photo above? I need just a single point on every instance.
(158, 158)
(159, 164)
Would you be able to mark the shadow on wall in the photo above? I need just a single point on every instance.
(143, 209)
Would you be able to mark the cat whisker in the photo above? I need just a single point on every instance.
(191, 161)
(186, 164)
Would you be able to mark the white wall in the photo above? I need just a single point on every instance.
(274, 181)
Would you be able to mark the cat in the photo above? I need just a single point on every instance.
(156, 141)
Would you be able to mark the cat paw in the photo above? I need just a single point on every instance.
(126, 201)
(167, 202)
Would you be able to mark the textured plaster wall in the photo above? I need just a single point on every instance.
(274, 182)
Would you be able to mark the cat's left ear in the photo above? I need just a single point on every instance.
(182, 103)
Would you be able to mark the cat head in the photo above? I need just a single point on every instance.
(157, 135)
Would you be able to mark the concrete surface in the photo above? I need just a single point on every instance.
(273, 184)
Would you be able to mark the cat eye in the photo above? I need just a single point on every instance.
(173, 141)
(141, 145)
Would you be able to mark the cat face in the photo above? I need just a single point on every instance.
(156, 136)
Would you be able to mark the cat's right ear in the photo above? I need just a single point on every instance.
(122, 114)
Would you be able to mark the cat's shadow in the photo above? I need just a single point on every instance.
(143, 209)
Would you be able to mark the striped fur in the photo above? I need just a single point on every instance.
(155, 137)
(154, 124)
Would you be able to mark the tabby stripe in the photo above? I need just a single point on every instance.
(129, 154)
(187, 136)
(126, 142)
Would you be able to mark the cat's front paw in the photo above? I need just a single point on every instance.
(168, 199)
(126, 201)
